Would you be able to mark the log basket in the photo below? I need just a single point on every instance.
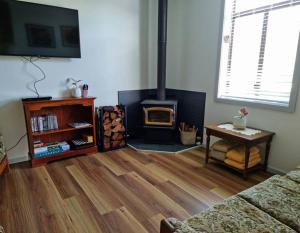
(188, 137)
(117, 119)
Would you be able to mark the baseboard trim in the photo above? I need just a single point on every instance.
(18, 160)
(275, 171)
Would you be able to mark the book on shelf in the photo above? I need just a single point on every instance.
(37, 143)
(44, 123)
(79, 124)
(51, 149)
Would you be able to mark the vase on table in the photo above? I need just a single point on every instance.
(239, 122)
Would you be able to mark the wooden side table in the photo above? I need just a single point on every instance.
(4, 166)
(248, 141)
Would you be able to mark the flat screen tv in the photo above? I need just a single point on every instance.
(29, 29)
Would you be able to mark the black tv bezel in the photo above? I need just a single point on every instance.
(48, 56)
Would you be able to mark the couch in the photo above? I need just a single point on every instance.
(272, 206)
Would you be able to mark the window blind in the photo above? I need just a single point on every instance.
(259, 47)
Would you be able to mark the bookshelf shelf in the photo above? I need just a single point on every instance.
(38, 161)
(66, 111)
(48, 132)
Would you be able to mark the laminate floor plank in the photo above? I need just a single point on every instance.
(183, 198)
(64, 182)
(203, 196)
(141, 210)
(126, 160)
(155, 221)
(152, 196)
(83, 220)
(122, 191)
(111, 164)
(122, 221)
(101, 195)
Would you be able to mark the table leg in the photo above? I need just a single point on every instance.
(247, 155)
(207, 147)
(267, 152)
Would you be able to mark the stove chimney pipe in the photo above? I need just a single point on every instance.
(162, 48)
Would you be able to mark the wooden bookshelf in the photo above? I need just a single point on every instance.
(4, 167)
(67, 110)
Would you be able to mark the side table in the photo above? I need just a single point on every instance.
(249, 141)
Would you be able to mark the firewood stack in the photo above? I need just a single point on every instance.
(113, 127)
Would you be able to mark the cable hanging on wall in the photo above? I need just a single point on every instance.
(18, 142)
(31, 61)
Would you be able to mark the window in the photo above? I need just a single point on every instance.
(259, 51)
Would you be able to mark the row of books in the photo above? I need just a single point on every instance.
(51, 149)
(43, 123)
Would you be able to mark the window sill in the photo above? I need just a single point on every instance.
(257, 104)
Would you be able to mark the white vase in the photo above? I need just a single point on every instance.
(76, 92)
(239, 122)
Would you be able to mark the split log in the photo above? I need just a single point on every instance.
(106, 121)
(117, 121)
(118, 128)
(106, 139)
(122, 143)
(117, 136)
(116, 144)
(107, 126)
(113, 115)
(105, 115)
(107, 133)
(106, 146)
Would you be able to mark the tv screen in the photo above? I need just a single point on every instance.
(29, 29)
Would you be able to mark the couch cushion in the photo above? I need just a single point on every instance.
(277, 199)
(234, 215)
(294, 175)
(285, 182)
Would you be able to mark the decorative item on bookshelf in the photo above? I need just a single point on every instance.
(88, 138)
(76, 91)
(85, 89)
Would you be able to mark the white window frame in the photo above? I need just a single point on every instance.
(259, 104)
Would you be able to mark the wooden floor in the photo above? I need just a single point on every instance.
(120, 191)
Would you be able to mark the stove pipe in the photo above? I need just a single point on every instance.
(162, 48)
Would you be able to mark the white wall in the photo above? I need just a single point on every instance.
(114, 44)
(192, 65)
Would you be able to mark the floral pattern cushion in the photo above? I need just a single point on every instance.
(235, 215)
(294, 175)
(285, 182)
(280, 202)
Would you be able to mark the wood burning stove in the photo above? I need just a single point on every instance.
(159, 116)
(159, 113)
